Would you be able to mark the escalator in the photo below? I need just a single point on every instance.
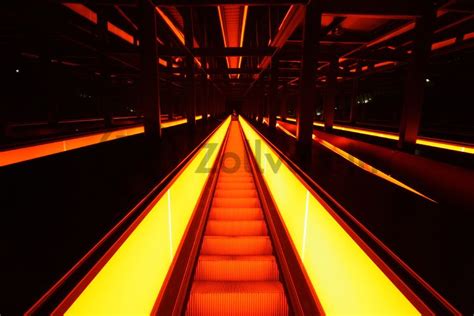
(227, 234)
(236, 272)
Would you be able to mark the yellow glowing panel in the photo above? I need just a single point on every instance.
(130, 281)
(367, 132)
(12, 156)
(344, 277)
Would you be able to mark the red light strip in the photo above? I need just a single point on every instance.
(441, 44)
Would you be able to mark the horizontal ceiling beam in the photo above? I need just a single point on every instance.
(122, 3)
(399, 9)
(218, 51)
(395, 9)
(216, 71)
(206, 3)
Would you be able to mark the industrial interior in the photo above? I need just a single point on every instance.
(226, 157)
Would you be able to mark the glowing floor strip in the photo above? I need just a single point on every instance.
(465, 148)
(128, 280)
(359, 163)
(348, 278)
(12, 156)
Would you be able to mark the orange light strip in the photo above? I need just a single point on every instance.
(385, 63)
(12, 156)
(176, 31)
(242, 32)
(119, 32)
(83, 11)
(162, 62)
(221, 20)
(230, 60)
(171, 25)
(90, 15)
(347, 276)
(128, 278)
(359, 163)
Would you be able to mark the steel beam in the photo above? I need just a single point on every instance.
(150, 72)
(414, 92)
(305, 111)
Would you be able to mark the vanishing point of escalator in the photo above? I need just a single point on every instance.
(237, 272)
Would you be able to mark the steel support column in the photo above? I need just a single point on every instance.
(150, 71)
(273, 94)
(414, 93)
(171, 104)
(304, 113)
(191, 83)
(355, 107)
(284, 103)
(331, 94)
(104, 77)
(261, 101)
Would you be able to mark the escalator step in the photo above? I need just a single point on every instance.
(235, 193)
(244, 179)
(235, 214)
(236, 202)
(236, 246)
(236, 228)
(235, 186)
(237, 298)
(237, 268)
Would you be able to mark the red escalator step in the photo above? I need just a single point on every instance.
(236, 202)
(237, 299)
(237, 268)
(236, 228)
(236, 246)
(236, 214)
(235, 186)
(235, 193)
